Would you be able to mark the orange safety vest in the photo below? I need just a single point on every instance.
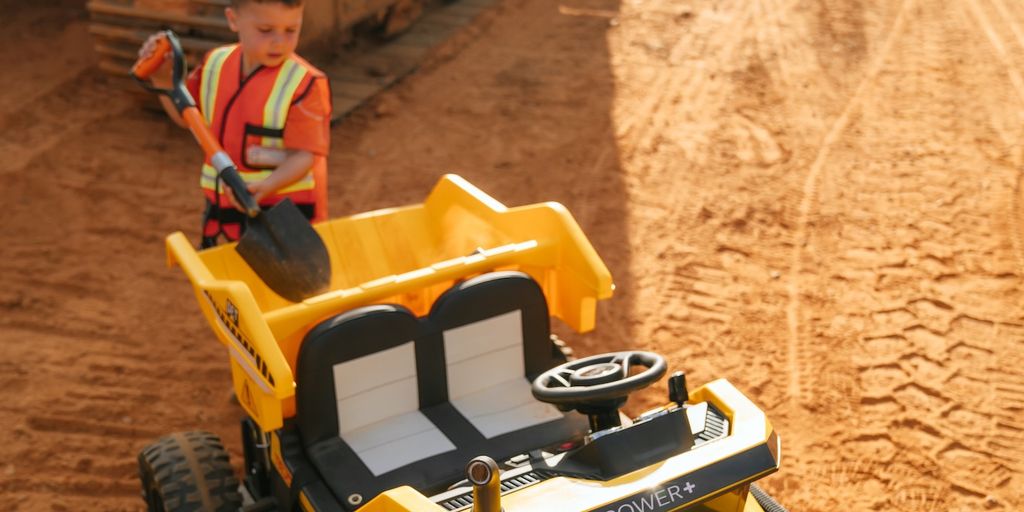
(252, 111)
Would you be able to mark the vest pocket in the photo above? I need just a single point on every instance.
(263, 147)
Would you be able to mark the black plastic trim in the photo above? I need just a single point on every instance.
(629, 449)
(701, 484)
(303, 477)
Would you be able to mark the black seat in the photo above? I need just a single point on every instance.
(385, 399)
(358, 406)
(494, 334)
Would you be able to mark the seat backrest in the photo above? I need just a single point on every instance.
(357, 380)
(496, 338)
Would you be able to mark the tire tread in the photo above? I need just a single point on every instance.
(185, 472)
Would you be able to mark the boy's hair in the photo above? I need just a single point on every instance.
(290, 3)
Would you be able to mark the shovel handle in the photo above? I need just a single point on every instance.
(166, 42)
(186, 106)
(239, 189)
(145, 66)
(197, 125)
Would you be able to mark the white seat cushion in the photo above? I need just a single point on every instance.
(486, 376)
(378, 410)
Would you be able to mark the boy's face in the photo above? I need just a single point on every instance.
(268, 32)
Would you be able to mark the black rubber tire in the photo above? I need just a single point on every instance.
(188, 472)
(560, 349)
(767, 502)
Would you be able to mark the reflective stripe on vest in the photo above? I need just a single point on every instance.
(211, 81)
(275, 115)
(208, 180)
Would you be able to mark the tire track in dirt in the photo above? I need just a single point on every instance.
(813, 58)
(985, 24)
(808, 200)
(696, 295)
(778, 39)
(782, 60)
(681, 79)
(708, 278)
(86, 229)
(71, 106)
(42, 41)
(916, 264)
(1010, 386)
(1014, 74)
(100, 403)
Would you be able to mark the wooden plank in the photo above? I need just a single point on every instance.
(427, 37)
(114, 68)
(137, 37)
(468, 9)
(432, 34)
(392, 55)
(351, 81)
(113, 51)
(476, 3)
(100, 7)
(399, 53)
(354, 12)
(214, 8)
(343, 106)
(118, 66)
(353, 89)
(342, 69)
(450, 19)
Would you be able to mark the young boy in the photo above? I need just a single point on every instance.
(270, 110)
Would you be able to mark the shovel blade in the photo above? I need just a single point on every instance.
(286, 252)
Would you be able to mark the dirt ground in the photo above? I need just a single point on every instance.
(819, 200)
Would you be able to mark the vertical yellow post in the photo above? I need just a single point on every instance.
(484, 475)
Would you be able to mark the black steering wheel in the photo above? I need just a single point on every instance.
(598, 378)
(598, 385)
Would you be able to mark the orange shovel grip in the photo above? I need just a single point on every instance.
(146, 66)
(197, 125)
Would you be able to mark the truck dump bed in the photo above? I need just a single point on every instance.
(407, 255)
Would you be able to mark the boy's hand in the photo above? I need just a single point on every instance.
(260, 190)
(296, 165)
(163, 76)
(231, 197)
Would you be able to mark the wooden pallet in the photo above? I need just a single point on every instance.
(356, 76)
(119, 27)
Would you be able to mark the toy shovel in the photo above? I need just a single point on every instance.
(279, 244)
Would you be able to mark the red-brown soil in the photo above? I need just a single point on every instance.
(819, 200)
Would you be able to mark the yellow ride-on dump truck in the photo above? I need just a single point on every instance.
(426, 379)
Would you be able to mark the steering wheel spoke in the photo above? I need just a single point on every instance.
(563, 377)
(623, 360)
